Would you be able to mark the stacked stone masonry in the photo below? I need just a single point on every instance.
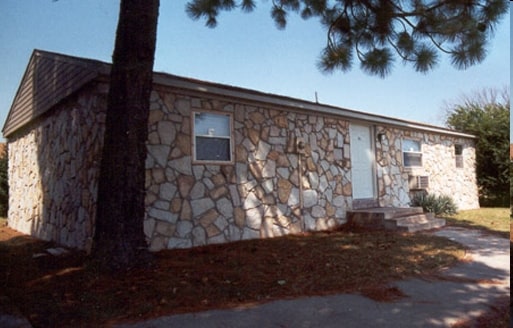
(54, 168)
(270, 189)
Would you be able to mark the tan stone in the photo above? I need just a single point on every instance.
(208, 218)
(266, 230)
(158, 243)
(259, 192)
(268, 200)
(229, 173)
(273, 112)
(186, 211)
(291, 145)
(283, 221)
(256, 169)
(185, 183)
(175, 153)
(153, 138)
(264, 134)
(165, 228)
(310, 165)
(284, 188)
(308, 150)
(254, 136)
(324, 144)
(150, 198)
(212, 230)
(241, 155)
(239, 113)
(330, 210)
(176, 205)
(329, 175)
(347, 189)
(281, 121)
(169, 100)
(155, 116)
(219, 179)
(282, 160)
(257, 117)
(183, 143)
(329, 157)
(273, 155)
(218, 192)
(295, 227)
(239, 216)
(338, 188)
(158, 175)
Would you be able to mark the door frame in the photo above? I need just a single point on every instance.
(373, 200)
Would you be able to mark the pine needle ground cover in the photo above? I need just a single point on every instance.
(69, 291)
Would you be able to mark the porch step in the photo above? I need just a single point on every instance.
(410, 219)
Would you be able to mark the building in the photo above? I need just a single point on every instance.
(224, 163)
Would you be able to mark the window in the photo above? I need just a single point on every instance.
(212, 137)
(412, 154)
(458, 153)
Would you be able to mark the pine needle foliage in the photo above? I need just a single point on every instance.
(377, 32)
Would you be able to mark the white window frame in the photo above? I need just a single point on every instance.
(413, 152)
(212, 134)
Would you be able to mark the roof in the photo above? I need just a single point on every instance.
(48, 79)
(51, 77)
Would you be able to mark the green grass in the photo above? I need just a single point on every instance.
(491, 219)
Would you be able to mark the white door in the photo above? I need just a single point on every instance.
(362, 162)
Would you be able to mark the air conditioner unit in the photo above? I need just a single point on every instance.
(418, 182)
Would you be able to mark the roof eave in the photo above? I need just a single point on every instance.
(256, 96)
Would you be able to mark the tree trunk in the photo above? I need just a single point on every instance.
(119, 241)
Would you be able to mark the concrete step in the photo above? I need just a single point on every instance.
(414, 227)
(387, 212)
(413, 219)
(402, 219)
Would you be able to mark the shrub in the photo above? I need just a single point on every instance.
(437, 204)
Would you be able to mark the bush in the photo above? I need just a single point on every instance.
(437, 204)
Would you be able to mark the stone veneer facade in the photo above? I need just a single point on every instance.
(269, 189)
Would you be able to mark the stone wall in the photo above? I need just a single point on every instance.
(53, 171)
(270, 189)
(438, 164)
(257, 196)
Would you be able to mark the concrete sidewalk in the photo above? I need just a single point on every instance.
(463, 292)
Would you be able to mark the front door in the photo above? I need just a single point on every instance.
(362, 162)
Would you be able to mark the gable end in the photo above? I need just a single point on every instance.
(48, 79)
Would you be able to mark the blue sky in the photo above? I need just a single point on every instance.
(244, 50)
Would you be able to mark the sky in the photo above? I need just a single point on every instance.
(244, 50)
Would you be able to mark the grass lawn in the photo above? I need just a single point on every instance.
(493, 220)
(69, 291)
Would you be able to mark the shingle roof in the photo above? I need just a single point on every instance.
(48, 79)
(51, 77)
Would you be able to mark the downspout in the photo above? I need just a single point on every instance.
(300, 145)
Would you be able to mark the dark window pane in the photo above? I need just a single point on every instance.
(459, 161)
(212, 149)
(412, 159)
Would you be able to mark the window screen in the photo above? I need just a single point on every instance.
(212, 136)
(458, 153)
(412, 154)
